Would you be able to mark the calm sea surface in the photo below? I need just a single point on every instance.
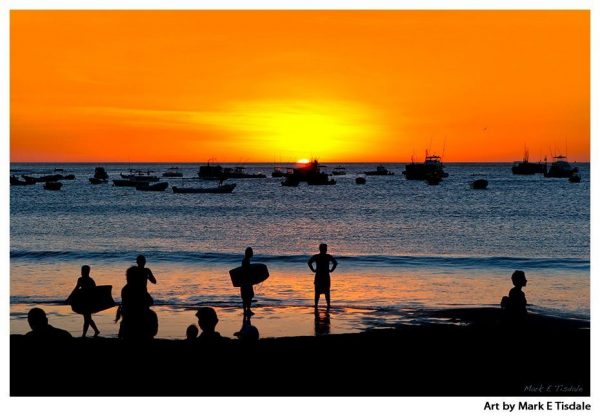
(402, 245)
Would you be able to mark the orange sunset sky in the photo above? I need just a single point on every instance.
(250, 86)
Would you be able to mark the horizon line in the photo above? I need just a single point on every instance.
(265, 162)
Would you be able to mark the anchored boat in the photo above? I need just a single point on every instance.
(560, 168)
(432, 167)
(221, 189)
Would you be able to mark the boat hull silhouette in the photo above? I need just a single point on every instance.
(432, 167)
(223, 189)
(155, 187)
(479, 184)
(52, 186)
(527, 168)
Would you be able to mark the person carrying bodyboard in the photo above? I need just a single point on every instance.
(82, 294)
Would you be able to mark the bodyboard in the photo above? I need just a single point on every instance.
(93, 300)
(256, 273)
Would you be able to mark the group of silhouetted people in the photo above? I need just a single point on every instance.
(139, 322)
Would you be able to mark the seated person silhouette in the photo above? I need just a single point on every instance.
(41, 329)
(191, 333)
(514, 305)
(207, 321)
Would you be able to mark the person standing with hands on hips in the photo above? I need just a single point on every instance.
(322, 271)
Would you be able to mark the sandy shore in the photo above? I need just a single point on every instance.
(479, 358)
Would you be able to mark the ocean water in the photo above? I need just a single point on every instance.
(402, 246)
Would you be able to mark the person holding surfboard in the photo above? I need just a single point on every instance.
(246, 290)
(322, 278)
(84, 284)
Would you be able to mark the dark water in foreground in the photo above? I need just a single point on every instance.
(401, 244)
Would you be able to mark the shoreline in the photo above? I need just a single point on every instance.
(551, 356)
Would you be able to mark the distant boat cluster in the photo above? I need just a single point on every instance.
(560, 168)
(431, 170)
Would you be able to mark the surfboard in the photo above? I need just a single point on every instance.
(93, 300)
(257, 273)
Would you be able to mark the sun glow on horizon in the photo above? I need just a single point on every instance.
(261, 86)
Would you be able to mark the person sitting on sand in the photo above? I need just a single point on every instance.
(515, 304)
(322, 278)
(41, 329)
(84, 283)
(246, 290)
(147, 273)
(191, 333)
(208, 320)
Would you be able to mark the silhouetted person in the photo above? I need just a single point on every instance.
(207, 321)
(322, 271)
(84, 284)
(515, 304)
(246, 290)
(41, 329)
(139, 322)
(191, 333)
(146, 272)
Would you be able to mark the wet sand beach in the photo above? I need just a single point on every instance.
(478, 357)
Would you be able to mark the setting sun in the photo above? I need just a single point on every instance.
(250, 86)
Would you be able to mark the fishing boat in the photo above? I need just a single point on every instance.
(525, 167)
(100, 176)
(239, 172)
(173, 172)
(211, 172)
(140, 175)
(221, 189)
(379, 171)
(560, 168)
(154, 187)
(431, 167)
(338, 171)
(277, 172)
(15, 181)
(46, 178)
(53, 186)
(309, 172)
(575, 178)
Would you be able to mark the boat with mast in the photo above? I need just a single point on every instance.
(525, 167)
(560, 168)
(432, 167)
